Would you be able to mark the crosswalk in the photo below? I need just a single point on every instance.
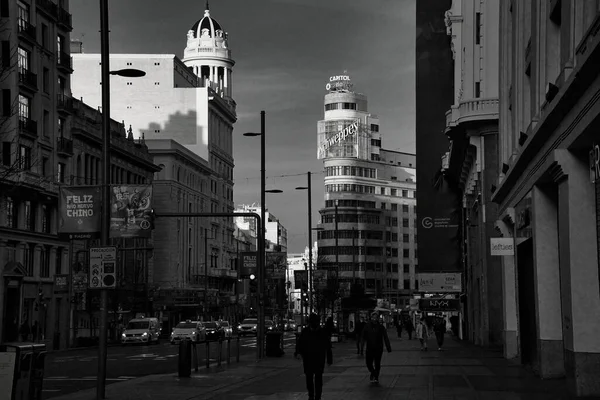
(287, 342)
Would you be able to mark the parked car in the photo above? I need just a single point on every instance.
(141, 330)
(213, 330)
(228, 331)
(247, 327)
(192, 330)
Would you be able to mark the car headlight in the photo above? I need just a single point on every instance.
(254, 327)
(123, 335)
(145, 334)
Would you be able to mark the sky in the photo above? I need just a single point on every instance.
(285, 51)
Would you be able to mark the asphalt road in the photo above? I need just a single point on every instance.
(73, 370)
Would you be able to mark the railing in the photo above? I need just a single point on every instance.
(64, 18)
(472, 110)
(48, 6)
(64, 102)
(65, 61)
(27, 29)
(195, 348)
(27, 125)
(26, 77)
(64, 145)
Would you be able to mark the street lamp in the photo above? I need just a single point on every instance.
(105, 236)
(260, 331)
(310, 261)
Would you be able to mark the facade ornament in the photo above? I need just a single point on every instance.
(130, 133)
(448, 21)
(190, 34)
(205, 33)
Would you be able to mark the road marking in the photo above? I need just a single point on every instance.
(127, 377)
(56, 377)
(83, 379)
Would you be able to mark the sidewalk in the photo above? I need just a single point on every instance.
(462, 371)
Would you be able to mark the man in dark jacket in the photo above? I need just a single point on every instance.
(374, 335)
(314, 345)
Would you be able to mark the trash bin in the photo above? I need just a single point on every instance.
(22, 369)
(185, 359)
(274, 344)
(37, 371)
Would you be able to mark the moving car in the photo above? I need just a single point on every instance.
(290, 325)
(191, 330)
(227, 330)
(213, 330)
(269, 325)
(141, 330)
(248, 326)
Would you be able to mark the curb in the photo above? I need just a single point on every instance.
(80, 348)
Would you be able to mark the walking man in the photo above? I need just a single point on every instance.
(358, 328)
(423, 333)
(440, 330)
(374, 335)
(314, 346)
(409, 328)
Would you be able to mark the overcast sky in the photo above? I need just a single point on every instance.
(285, 51)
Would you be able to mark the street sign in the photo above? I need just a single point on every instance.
(103, 262)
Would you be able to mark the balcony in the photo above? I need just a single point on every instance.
(65, 62)
(47, 6)
(64, 19)
(64, 146)
(27, 79)
(471, 110)
(27, 31)
(28, 127)
(64, 103)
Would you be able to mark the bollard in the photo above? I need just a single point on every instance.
(228, 350)
(195, 356)
(207, 354)
(237, 356)
(185, 359)
(220, 350)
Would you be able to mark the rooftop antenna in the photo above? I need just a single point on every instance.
(207, 8)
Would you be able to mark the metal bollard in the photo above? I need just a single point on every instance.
(195, 355)
(228, 350)
(220, 351)
(237, 356)
(184, 362)
(207, 354)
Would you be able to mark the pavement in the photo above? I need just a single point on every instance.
(461, 371)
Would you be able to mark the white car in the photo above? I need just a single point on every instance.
(226, 328)
(188, 330)
(248, 326)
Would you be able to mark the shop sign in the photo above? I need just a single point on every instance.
(131, 211)
(439, 305)
(440, 282)
(80, 212)
(339, 82)
(595, 163)
(502, 247)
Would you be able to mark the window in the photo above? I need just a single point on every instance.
(405, 253)
(405, 222)
(60, 175)
(394, 206)
(59, 253)
(46, 80)
(383, 206)
(44, 171)
(24, 59)
(405, 193)
(6, 154)
(45, 262)
(375, 128)
(59, 45)
(46, 123)
(11, 213)
(406, 268)
(477, 28)
(45, 36)
(24, 109)
(61, 127)
(405, 238)
(29, 216)
(405, 208)
(62, 85)
(24, 158)
(28, 262)
(406, 283)
(23, 15)
(46, 219)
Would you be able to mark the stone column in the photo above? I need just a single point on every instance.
(226, 81)
(509, 299)
(578, 273)
(547, 282)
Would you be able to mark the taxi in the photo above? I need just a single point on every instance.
(188, 330)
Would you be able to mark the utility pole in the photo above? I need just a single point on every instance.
(310, 251)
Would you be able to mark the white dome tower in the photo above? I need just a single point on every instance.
(208, 55)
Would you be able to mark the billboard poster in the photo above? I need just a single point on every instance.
(248, 267)
(440, 283)
(438, 198)
(300, 279)
(80, 212)
(276, 265)
(131, 211)
(320, 279)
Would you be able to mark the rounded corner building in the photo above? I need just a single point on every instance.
(367, 233)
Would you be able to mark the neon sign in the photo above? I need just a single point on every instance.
(339, 82)
(338, 137)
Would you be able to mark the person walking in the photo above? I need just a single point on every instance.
(374, 336)
(399, 328)
(440, 330)
(422, 333)
(410, 328)
(358, 328)
(314, 346)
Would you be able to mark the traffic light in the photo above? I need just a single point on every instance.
(253, 284)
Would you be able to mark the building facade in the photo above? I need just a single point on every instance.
(36, 150)
(472, 162)
(546, 195)
(275, 232)
(367, 233)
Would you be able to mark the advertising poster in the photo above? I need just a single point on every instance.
(131, 211)
(300, 279)
(276, 265)
(80, 212)
(248, 264)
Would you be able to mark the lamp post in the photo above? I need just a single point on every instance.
(105, 236)
(310, 260)
(337, 256)
(260, 331)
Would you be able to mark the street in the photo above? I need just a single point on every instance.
(73, 370)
